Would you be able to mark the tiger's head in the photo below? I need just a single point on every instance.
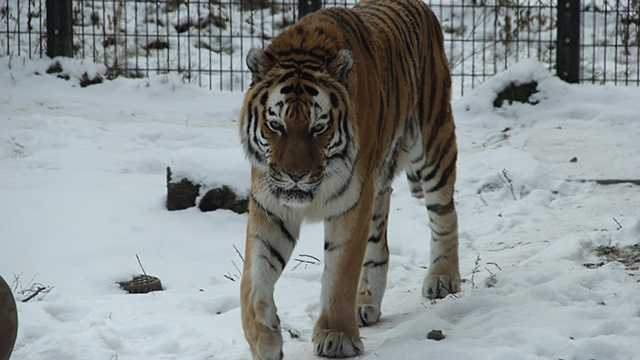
(294, 126)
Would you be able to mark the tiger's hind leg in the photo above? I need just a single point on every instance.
(433, 165)
(438, 178)
(373, 278)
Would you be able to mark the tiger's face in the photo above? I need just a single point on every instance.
(293, 127)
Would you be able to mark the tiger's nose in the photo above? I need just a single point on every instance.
(296, 177)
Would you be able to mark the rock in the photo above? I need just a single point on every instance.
(184, 193)
(517, 92)
(181, 195)
(223, 198)
(141, 284)
(85, 80)
(54, 68)
(436, 335)
(8, 320)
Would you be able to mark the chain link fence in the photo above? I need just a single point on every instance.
(206, 40)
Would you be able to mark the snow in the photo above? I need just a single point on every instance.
(82, 184)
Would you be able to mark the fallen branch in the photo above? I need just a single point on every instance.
(40, 289)
(608, 181)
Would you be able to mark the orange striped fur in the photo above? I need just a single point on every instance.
(340, 103)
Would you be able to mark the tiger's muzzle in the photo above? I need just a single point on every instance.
(294, 190)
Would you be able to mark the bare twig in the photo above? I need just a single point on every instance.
(238, 252)
(35, 290)
(311, 257)
(229, 277)
(476, 270)
(140, 263)
(237, 268)
(508, 181)
(303, 259)
(494, 264)
(17, 282)
(617, 223)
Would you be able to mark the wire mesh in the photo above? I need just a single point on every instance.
(205, 41)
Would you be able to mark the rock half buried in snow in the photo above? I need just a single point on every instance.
(436, 335)
(8, 320)
(184, 193)
(519, 92)
(223, 198)
(141, 284)
(211, 179)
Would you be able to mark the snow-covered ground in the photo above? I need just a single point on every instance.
(82, 186)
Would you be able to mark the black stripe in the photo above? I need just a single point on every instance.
(329, 246)
(285, 55)
(342, 190)
(341, 129)
(441, 209)
(279, 222)
(355, 203)
(443, 234)
(372, 263)
(445, 175)
(442, 152)
(439, 258)
(374, 239)
(341, 19)
(413, 177)
(273, 251)
(268, 262)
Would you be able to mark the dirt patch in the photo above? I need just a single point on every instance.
(627, 255)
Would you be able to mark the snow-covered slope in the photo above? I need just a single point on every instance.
(82, 186)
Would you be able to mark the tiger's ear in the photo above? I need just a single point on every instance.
(259, 62)
(341, 65)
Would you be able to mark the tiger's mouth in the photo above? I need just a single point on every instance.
(294, 197)
(295, 194)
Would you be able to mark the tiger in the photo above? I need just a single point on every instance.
(339, 104)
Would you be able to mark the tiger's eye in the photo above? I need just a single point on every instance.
(319, 128)
(275, 126)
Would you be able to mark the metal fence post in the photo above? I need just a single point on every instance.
(568, 40)
(59, 28)
(308, 6)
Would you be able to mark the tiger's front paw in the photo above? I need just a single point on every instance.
(438, 286)
(262, 330)
(337, 344)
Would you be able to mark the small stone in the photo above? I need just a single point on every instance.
(141, 284)
(574, 160)
(436, 335)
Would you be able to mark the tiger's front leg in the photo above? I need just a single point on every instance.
(269, 243)
(336, 333)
